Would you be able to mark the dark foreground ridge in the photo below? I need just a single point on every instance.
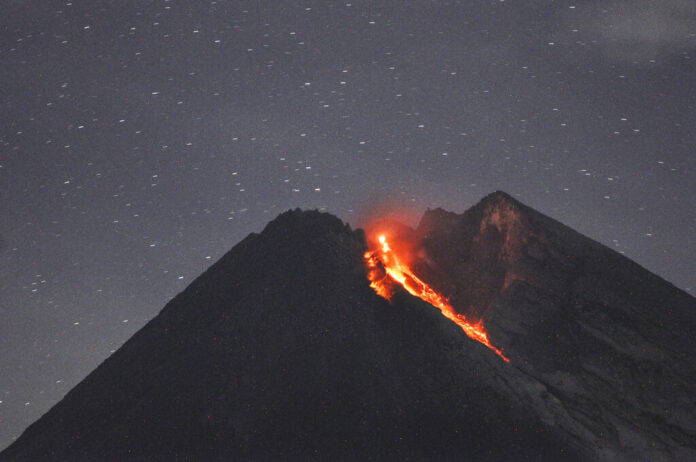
(282, 351)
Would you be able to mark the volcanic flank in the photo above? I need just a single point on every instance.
(313, 341)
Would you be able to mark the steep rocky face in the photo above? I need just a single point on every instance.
(471, 257)
(611, 341)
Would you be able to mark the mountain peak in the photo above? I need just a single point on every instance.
(281, 350)
(508, 215)
(498, 208)
(499, 197)
(312, 221)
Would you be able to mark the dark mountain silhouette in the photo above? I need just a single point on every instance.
(282, 351)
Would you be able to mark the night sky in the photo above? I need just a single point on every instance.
(141, 140)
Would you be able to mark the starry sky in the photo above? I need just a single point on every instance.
(141, 140)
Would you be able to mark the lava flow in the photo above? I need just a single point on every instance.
(385, 271)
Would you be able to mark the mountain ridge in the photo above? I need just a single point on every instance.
(281, 350)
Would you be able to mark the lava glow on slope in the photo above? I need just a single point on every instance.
(386, 271)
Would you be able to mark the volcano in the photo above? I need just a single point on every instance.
(304, 343)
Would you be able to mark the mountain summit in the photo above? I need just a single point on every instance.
(281, 350)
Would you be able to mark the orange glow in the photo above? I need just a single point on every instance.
(385, 270)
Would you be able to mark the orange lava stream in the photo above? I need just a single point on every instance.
(398, 272)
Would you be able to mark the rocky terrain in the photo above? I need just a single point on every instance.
(281, 351)
(611, 342)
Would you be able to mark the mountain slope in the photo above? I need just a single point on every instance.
(612, 341)
(281, 350)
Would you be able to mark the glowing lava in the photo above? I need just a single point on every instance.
(385, 271)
